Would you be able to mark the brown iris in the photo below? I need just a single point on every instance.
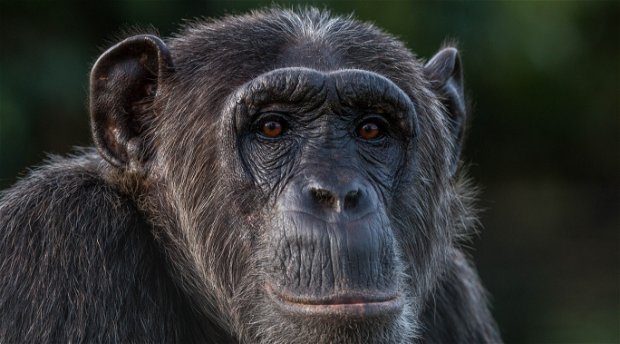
(369, 131)
(271, 129)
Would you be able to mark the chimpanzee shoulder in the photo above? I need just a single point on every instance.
(453, 313)
(79, 262)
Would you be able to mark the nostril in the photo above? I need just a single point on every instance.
(324, 197)
(351, 199)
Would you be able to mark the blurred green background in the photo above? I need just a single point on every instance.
(544, 81)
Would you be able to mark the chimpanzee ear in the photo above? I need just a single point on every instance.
(123, 85)
(446, 77)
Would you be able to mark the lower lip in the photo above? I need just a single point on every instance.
(358, 309)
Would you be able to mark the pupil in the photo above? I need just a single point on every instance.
(272, 129)
(370, 130)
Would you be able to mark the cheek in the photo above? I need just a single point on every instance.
(383, 169)
(270, 163)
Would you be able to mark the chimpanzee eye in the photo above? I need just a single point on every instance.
(371, 129)
(271, 127)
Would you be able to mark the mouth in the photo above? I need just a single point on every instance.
(352, 304)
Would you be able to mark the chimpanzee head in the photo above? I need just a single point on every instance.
(299, 169)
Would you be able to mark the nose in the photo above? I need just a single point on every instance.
(351, 197)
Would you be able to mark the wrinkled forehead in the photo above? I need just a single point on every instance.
(308, 89)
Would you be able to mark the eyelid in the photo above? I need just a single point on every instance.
(380, 120)
(264, 116)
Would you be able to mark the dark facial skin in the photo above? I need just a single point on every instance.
(324, 152)
(329, 168)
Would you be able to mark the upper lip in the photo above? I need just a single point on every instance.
(347, 297)
(333, 218)
(351, 297)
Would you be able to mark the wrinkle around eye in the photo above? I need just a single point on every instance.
(270, 162)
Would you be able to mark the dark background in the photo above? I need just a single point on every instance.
(544, 81)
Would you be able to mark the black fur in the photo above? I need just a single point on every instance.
(162, 235)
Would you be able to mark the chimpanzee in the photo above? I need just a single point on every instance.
(285, 176)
